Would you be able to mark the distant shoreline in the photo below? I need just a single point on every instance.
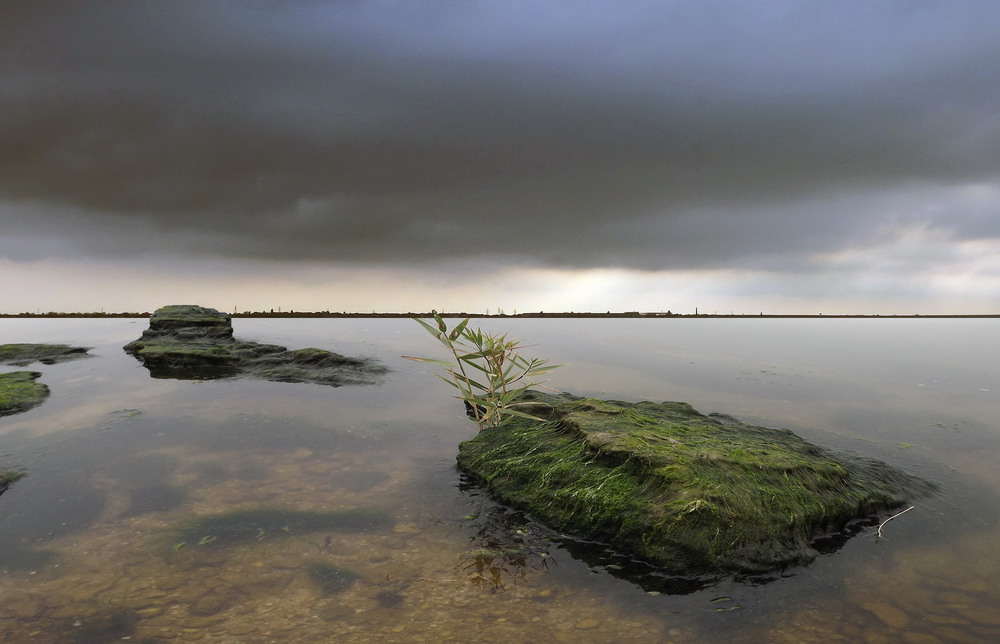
(630, 315)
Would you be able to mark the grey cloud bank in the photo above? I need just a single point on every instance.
(653, 136)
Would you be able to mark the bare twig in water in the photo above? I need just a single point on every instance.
(878, 534)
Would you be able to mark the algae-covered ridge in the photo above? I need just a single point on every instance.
(21, 355)
(688, 492)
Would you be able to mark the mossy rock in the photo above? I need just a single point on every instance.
(190, 342)
(21, 355)
(19, 392)
(690, 493)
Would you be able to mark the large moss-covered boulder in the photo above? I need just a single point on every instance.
(194, 342)
(693, 494)
(19, 392)
(22, 355)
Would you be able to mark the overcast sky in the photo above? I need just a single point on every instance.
(773, 156)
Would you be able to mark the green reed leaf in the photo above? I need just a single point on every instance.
(507, 373)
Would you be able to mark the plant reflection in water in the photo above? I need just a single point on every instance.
(506, 547)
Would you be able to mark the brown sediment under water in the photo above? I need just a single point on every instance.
(243, 511)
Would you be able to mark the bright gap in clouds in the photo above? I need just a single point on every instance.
(880, 279)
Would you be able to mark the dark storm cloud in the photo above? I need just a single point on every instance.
(646, 134)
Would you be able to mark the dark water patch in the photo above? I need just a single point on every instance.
(360, 480)
(102, 629)
(389, 598)
(255, 525)
(46, 508)
(147, 475)
(330, 579)
(19, 558)
(154, 498)
(213, 472)
(143, 468)
(261, 431)
(193, 373)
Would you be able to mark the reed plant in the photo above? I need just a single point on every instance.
(487, 369)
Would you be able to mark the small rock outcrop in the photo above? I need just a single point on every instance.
(19, 392)
(195, 342)
(21, 355)
(689, 493)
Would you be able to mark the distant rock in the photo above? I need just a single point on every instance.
(690, 493)
(19, 392)
(193, 342)
(21, 355)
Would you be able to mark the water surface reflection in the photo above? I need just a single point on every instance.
(119, 463)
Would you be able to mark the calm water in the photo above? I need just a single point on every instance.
(92, 548)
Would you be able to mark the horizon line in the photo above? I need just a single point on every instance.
(538, 314)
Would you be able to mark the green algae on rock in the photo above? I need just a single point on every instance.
(193, 342)
(19, 392)
(8, 476)
(21, 355)
(689, 493)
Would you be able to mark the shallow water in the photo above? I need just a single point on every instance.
(93, 546)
